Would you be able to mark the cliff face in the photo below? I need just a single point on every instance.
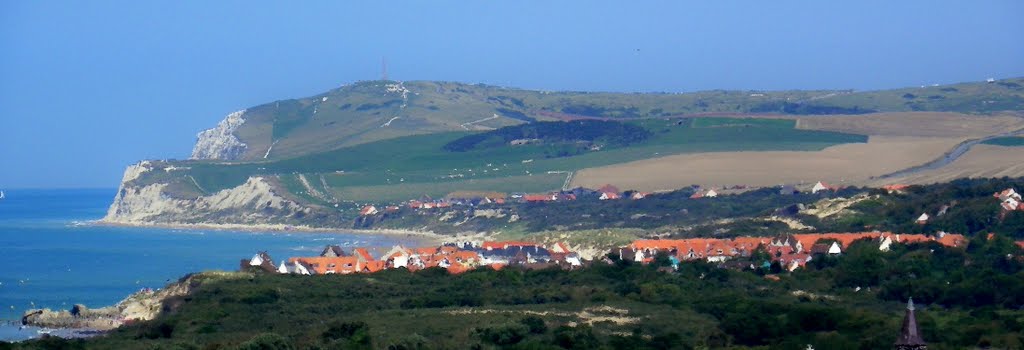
(140, 306)
(220, 142)
(254, 202)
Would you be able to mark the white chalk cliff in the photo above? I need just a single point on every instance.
(253, 202)
(220, 142)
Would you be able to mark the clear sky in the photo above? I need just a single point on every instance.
(87, 88)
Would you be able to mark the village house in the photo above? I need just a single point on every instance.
(923, 219)
(822, 186)
(1010, 200)
(261, 261)
(295, 268)
(332, 251)
(701, 194)
(639, 195)
(368, 210)
(791, 251)
(537, 198)
(895, 188)
(454, 257)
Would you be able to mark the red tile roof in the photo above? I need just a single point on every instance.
(368, 210)
(537, 198)
(895, 187)
(362, 253)
(329, 265)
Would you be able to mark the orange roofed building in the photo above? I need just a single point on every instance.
(793, 251)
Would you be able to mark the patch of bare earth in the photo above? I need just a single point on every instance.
(980, 161)
(849, 164)
(921, 124)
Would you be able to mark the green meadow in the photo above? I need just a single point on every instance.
(411, 166)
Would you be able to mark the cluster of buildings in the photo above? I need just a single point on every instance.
(472, 199)
(606, 192)
(791, 251)
(1010, 200)
(454, 257)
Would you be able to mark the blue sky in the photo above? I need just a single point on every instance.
(89, 87)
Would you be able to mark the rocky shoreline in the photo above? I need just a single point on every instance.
(143, 305)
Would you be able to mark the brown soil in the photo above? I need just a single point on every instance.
(846, 164)
(980, 161)
(897, 141)
(923, 124)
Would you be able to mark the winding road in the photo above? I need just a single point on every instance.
(950, 156)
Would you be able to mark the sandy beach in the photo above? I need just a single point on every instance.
(425, 236)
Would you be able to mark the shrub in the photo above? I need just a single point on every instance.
(266, 341)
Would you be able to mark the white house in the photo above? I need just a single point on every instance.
(820, 186)
(639, 257)
(574, 260)
(1010, 204)
(711, 193)
(923, 218)
(834, 249)
(294, 268)
(885, 243)
(284, 268)
(258, 259)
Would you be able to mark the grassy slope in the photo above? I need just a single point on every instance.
(411, 166)
(1006, 141)
(353, 114)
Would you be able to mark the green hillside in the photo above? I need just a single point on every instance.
(1006, 141)
(408, 167)
(376, 110)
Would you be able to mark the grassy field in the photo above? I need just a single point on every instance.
(370, 111)
(405, 191)
(1006, 141)
(408, 167)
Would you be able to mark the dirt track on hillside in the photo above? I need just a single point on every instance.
(980, 161)
(842, 164)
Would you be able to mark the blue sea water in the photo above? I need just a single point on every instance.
(51, 255)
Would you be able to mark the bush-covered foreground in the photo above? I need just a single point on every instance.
(967, 298)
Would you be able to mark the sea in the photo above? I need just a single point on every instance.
(54, 255)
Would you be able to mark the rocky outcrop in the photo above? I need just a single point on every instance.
(143, 305)
(221, 142)
(253, 202)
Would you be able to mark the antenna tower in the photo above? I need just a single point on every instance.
(383, 68)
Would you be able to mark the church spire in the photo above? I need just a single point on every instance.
(910, 338)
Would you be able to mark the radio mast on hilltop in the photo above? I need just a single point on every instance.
(383, 68)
